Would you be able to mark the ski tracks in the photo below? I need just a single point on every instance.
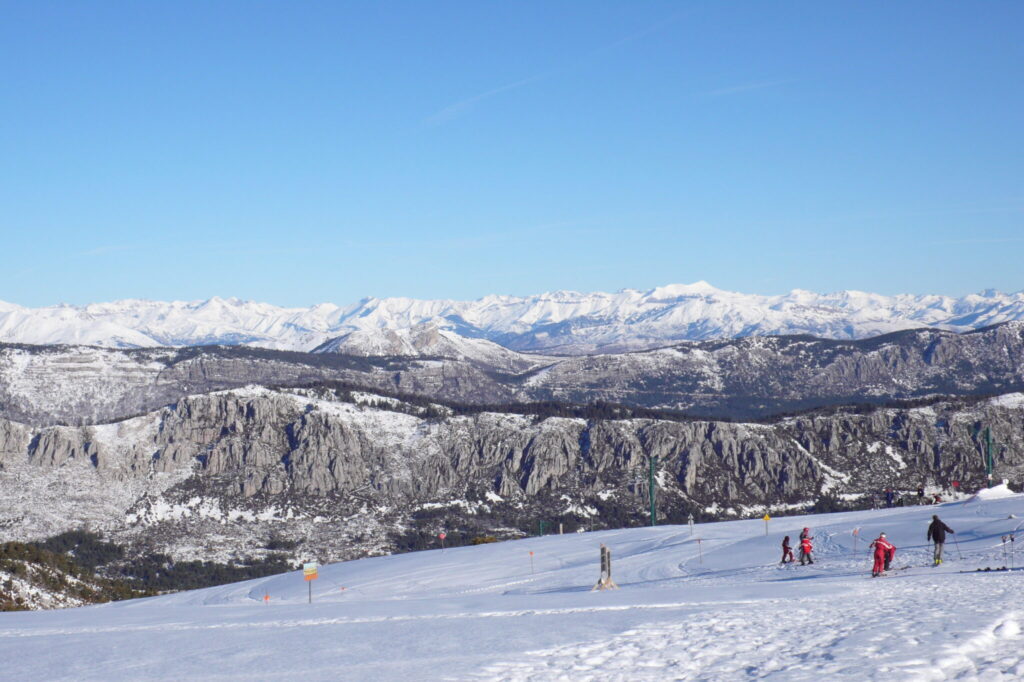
(876, 632)
(994, 653)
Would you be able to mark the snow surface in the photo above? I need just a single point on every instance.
(720, 610)
(994, 493)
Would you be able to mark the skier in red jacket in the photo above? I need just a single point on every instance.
(805, 551)
(884, 552)
(787, 552)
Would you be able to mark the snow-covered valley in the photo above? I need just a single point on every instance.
(722, 608)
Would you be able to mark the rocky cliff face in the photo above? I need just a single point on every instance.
(211, 474)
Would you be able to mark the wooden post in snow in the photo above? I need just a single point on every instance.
(606, 582)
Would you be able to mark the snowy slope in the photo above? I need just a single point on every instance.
(568, 321)
(720, 610)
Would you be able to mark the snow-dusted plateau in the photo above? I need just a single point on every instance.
(707, 603)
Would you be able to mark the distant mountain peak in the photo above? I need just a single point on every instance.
(676, 290)
(560, 321)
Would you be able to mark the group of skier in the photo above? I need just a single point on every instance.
(884, 550)
(806, 547)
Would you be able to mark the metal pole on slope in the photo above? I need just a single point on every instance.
(988, 454)
(957, 543)
(651, 489)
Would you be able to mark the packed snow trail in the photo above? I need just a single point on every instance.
(726, 610)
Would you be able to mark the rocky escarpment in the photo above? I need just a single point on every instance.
(213, 472)
(758, 376)
(737, 379)
(44, 385)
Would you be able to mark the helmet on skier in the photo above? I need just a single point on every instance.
(881, 535)
(806, 529)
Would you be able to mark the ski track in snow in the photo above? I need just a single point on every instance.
(727, 612)
(816, 641)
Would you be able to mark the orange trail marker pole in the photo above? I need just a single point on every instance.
(266, 598)
(531, 563)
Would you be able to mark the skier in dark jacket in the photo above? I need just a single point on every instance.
(787, 551)
(937, 534)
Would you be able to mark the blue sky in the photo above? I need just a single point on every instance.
(304, 152)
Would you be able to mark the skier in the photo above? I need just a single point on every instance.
(805, 549)
(787, 551)
(884, 551)
(937, 534)
(889, 555)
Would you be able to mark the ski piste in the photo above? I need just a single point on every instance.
(722, 612)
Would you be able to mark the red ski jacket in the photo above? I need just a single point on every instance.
(806, 546)
(883, 547)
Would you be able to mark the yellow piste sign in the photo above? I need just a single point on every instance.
(767, 518)
(309, 571)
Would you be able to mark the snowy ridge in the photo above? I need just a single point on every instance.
(429, 340)
(568, 321)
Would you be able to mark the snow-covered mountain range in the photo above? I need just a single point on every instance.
(563, 322)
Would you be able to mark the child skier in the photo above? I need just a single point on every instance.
(787, 551)
(884, 551)
(805, 549)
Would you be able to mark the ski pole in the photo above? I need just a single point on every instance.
(957, 543)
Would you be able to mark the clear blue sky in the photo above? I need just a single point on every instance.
(304, 152)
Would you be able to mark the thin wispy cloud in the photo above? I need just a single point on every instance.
(460, 107)
(745, 87)
(453, 110)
